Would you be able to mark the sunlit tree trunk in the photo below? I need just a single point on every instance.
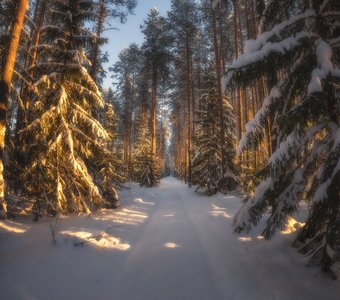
(236, 54)
(253, 110)
(264, 88)
(131, 121)
(32, 53)
(154, 112)
(189, 107)
(7, 76)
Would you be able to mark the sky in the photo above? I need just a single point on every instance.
(129, 32)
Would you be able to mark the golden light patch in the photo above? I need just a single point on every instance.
(292, 225)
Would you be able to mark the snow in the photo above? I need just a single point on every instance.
(163, 243)
(321, 192)
(256, 122)
(264, 186)
(325, 66)
(252, 46)
(278, 47)
(298, 176)
(257, 51)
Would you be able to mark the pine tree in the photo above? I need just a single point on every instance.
(108, 161)
(207, 161)
(183, 20)
(299, 45)
(127, 72)
(115, 143)
(146, 171)
(64, 135)
(106, 10)
(157, 57)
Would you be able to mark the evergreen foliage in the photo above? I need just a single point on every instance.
(108, 163)
(6, 12)
(157, 57)
(156, 45)
(298, 51)
(145, 168)
(111, 120)
(127, 71)
(105, 11)
(207, 167)
(67, 142)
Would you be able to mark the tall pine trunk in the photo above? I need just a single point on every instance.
(32, 54)
(238, 92)
(189, 108)
(6, 82)
(99, 30)
(154, 112)
(218, 70)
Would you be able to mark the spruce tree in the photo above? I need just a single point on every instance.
(146, 171)
(105, 11)
(183, 21)
(157, 57)
(108, 161)
(63, 132)
(298, 52)
(127, 72)
(207, 161)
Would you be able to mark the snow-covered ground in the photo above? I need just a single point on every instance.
(163, 243)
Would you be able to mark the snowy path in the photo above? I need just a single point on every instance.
(163, 243)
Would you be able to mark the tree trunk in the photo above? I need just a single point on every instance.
(218, 69)
(238, 91)
(260, 6)
(100, 27)
(253, 18)
(154, 112)
(6, 83)
(189, 106)
(32, 53)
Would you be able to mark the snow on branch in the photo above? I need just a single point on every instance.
(88, 119)
(322, 192)
(243, 219)
(325, 66)
(281, 47)
(293, 144)
(255, 124)
(254, 45)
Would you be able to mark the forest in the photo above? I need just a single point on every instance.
(229, 97)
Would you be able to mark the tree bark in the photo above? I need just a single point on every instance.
(6, 83)
(260, 6)
(100, 27)
(218, 69)
(154, 112)
(32, 53)
(189, 106)
(238, 91)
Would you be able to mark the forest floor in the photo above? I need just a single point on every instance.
(168, 242)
